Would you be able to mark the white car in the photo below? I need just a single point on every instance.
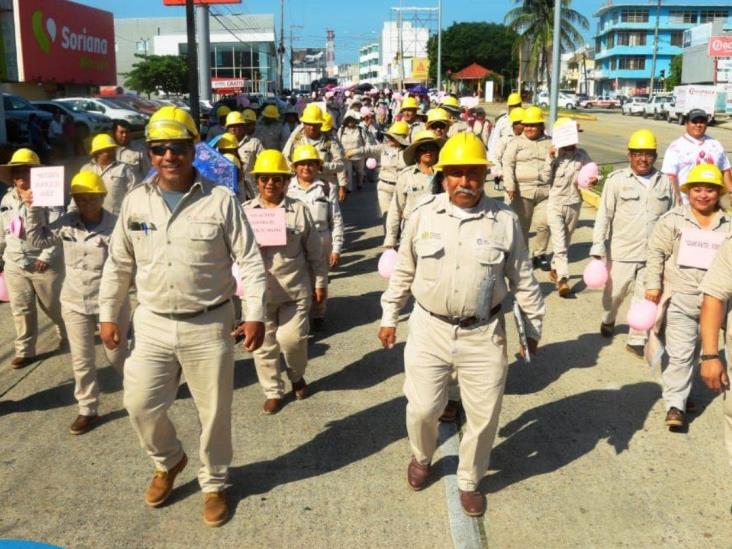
(657, 106)
(634, 105)
(86, 122)
(108, 108)
(564, 101)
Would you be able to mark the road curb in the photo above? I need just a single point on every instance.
(591, 198)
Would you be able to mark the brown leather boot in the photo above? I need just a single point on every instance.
(563, 287)
(83, 424)
(300, 389)
(162, 484)
(21, 362)
(451, 411)
(417, 474)
(272, 406)
(215, 509)
(473, 503)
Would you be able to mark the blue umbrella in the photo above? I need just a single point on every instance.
(419, 89)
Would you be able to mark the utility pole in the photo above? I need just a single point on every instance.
(555, 62)
(655, 49)
(292, 56)
(192, 69)
(439, 45)
(281, 49)
(204, 52)
(400, 48)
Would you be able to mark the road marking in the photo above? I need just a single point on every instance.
(465, 531)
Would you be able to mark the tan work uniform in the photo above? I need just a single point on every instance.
(355, 167)
(627, 214)
(457, 264)
(273, 135)
(495, 155)
(564, 203)
(411, 187)
(330, 151)
(118, 179)
(458, 126)
(523, 161)
(181, 263)
(391, 162)
(502, 128)
(321, 198)
(85, 251)
(136, 157)
(718, 284)
(414, 128)
(24, 283)
(682, 298)
(249, 149)
(289, 292)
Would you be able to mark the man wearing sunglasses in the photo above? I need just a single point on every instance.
(175, 238)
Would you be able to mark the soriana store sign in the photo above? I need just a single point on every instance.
(64, 41)
(720, 46)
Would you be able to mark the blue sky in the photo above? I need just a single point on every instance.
(355, 23)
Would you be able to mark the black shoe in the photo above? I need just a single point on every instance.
(535, 263)
(606, 330)
(318, 324)
(637, 350)
(544, 263)
(674, 418)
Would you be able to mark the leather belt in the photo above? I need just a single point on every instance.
(187, 316)
(464, 321)
(387, 182)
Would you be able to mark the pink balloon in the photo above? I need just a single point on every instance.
(239, 284)
(3, 289)
(595, 275)
(642, 315)
(387, 262)
(587, 172)
(16, 227)
(371, 163)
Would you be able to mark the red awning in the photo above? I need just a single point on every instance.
(471, 72)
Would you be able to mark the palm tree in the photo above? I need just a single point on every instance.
(533, 21)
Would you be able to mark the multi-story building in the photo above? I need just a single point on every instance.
(369, 64)
(624, 43)
(580, 70)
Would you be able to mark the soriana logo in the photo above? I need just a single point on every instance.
(720, 46)
(65, 42)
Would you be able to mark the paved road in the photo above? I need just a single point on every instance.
(582, 458)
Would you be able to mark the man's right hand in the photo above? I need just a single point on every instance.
(341, 194)
(109, 333)
(387, 336)
(714, 375)
(511, 195)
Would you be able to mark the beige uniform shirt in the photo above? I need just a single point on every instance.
(717, 282)
(412, 185)
(19, 251)
(288, 267)
(391, 160)
(502, 128)
(321, 198)
(463, 265)
(496, 154)
(249, 149)
(414, 128)
(522, 163)
(181, 261)
(272, 135)
(662, 268)
(84, 254)
(118, 178)
(627, 213)
(561, 173)
(331, 153)
(352, 138)
(136, 157)
(458, 126)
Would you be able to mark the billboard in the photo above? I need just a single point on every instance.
(308, 58)
(420, 68)
(65, 42)
(720, 46)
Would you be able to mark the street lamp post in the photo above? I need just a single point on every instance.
(555, 62)
(439, 45)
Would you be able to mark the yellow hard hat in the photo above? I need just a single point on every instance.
(86, 182)
(450, 101)
(271, 111)
(305, 152)
(271, 161)
(223, 110)
(516, 115)
(102, 142)
(421, 138)
(249, 115)
(312, 114)
(233, 159)
(170, 123)
(437, 115)
(409, 103)
(327, 122)
(643, 140)
(532, 115)
(227, 141)
(400, 127)
(24, 157)
(234, 118)
(463, 149)
(708, 174)
(514, 100)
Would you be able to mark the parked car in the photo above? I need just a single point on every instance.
(604, 101)
(17, 113)
(108, 108)
(133, 103)
(634, 105)
(564, 101)
(86, 123)
(657, 106)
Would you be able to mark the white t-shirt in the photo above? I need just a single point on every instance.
(686, 152)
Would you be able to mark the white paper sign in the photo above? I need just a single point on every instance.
(269, 225)
(469, 102)
(47, 184)
(565, 135)
(698, 248)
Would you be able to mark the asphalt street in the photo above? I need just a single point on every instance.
(582, 458)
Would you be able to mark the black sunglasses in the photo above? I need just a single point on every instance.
(176, 148)
(276, 179)
(438, 125)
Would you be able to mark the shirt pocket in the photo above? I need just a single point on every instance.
(293, 247)
(659, 204)
(629, 202)
(430, 255)
(489, 260)
(320, 213)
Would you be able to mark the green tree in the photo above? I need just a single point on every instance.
(488, 44)
(673, 78)
(158, 73)
(533, 21)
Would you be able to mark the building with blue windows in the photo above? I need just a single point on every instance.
(624, 52)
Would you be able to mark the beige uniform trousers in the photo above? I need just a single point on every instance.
(23, 288)
(625, 277)
(385, 192)
(286, 328)
(682, 346)
(81, 330)
(434, 349)
(317, 310)
(562, 220)
(533, 209)
(202, 348)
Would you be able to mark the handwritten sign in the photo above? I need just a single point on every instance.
(47, 184)
(565, 135)
(269, 225)
(698, 248)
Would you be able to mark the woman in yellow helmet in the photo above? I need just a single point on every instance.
(118, 177)
(681, 249)
(84, 234)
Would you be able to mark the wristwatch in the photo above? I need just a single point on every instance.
(709, 357)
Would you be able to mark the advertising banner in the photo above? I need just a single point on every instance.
(420, 68)
(720, 46)
(65, 42)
